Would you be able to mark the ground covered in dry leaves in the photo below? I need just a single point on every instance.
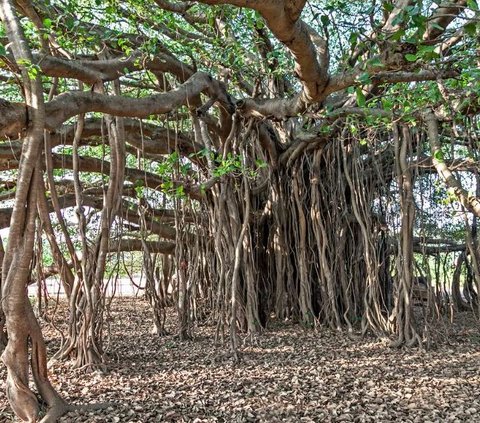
(287, 374)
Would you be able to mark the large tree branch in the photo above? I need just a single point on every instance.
(8, 161)
(123, 245)
(344, 80)
(442, 17)
(93, 71)
(182, 8)
(155, 134)
(71, 104)
(128, 213)
(136, 176)
(13, 117)
(131, 244)
(282, 108)
(309, 50)
(150, 139)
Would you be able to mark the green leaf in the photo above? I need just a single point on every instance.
(3, 52)
(387, 6)
(139, 191)
(364, 78)
(397, 35)
(260, 24)
(47, 23)
(412, 10)
(437, 26)
(470, 28)
(375, 62)
(260, 163)
(438, 155)
(353, 38)
(180, 191)
(185, 168)
(70, 22)
(426, 49)
(166, 186)
(361, 100)
(472, 4)
(411, 57)
(397, 20)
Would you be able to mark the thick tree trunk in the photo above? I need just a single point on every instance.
(20, 320)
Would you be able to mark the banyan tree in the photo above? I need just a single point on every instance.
(268, 160)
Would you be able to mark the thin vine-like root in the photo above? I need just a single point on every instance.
(236, 274)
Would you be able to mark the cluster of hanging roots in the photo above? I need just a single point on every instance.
(320, 235)
(314, 241)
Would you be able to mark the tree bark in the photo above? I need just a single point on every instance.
(20, 321)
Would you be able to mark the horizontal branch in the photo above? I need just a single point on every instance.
(103, 70)
(130, 244)
(445, 14)
(425, 164)
(13, 119)
(434, 246)
(128, 212)
(13, 116)
(143, 136)
(73, 103)
(342, 81)
(437, 249)
(283, 108)
(10, 156)
(136, 176)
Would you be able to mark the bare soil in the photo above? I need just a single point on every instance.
(287, 375)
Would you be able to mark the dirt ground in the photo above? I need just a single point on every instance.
(287, 375)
